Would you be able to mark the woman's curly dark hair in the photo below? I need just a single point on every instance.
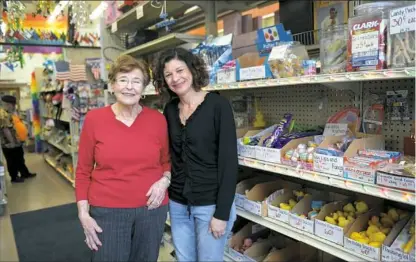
(197, 66)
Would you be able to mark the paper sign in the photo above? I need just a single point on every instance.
(254, 72)
(335, 129)
(114, 27)
(225, 76)
(329, 232)
(139, 12)
(403, 19)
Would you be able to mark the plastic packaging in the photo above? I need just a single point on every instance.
(367, 37)
(286, 60)
(333, 50)
(401, 37)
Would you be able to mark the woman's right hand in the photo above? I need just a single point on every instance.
(90, 230)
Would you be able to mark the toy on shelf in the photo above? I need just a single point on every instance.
(259, 118)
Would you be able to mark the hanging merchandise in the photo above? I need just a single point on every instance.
(397, 105)
(166, 23)
(95, 65)
(44, 8)
(13, 55)
(333, 49)
(373, 115)
(36, 113)
(16, 14)
(81, 11)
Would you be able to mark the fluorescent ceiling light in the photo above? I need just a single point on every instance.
(99, 10)
(195, 7)
(268, 16)
(58, 9)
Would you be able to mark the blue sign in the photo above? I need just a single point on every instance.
(269, 37)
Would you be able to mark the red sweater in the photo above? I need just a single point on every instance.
(128, 160)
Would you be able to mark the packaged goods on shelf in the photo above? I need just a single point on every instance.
(402, 247)
(401, 37)
(367, 37)
(364, 165)
(301, 155)
(259, 196)
(333, 50)
(372, 229)
(271, 36)
(398, 175)
(288, 60)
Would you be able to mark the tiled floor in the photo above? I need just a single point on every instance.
(46, 190)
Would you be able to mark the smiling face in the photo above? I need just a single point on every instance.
(128, 87)
(178, 77)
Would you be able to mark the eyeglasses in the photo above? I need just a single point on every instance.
(135, 83)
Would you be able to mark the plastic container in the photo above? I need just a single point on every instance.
(286, 60)
(401, 37)
(333, 50)
(367, 36)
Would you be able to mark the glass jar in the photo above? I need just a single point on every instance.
(367, 36)
(333, 49)
(401, 37)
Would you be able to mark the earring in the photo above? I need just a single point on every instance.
(143, 97)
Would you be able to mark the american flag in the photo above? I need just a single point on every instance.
(96, 72)
(94, 64)
(78, 73)
(62, 70)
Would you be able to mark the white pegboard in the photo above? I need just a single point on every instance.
(304, 102)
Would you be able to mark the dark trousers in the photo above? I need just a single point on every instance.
(129, 234)
(15, 161)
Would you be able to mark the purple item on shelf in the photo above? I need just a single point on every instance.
(286, 138)
(279, 130)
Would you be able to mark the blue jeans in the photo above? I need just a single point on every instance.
(190, 235)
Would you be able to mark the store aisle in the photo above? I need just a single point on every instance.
(48, 189)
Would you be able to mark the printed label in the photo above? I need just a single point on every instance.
(402, 20)
(252, 207)
(362, 249)
(360, 174)
(390, 254)
(114, 27)
(139, 12)
(239, 200)
(335, 129)
(225, 76)
(365, 43)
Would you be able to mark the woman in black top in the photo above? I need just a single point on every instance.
(203, 147)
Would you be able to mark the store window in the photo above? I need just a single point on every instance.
(268, 20)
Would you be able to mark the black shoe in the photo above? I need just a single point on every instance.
(30, 175)
(18, 180)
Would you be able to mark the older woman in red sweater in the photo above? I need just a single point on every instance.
(123, 171)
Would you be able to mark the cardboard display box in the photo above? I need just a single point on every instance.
(247, 184)
(251, 66)
(248, 150)
(334, 165)
(296, 251)
(389, 253)
(360, 224)
(260, 195)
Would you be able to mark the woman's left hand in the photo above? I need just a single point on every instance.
(217, 227)
(157, 193)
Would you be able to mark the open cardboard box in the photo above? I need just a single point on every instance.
(293, 145)
(257, 251)
(248, 150)
(261, 194)
(361, 224)
(335, 233)
(296, 251)
(247, 184)
(274, 210)
(251, 66)
(334, 165)
(389, 253)
(304, 206)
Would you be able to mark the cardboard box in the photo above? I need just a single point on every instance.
(390, 253)
(274, 210)
(335, 233)
(243, 186)
(360, 224)
(257, 252)
(248, 150)
(296, 251)
(393, 176)
(251, 66)
(293, 145)
(334, 165)
(260, 195)
(362, 173)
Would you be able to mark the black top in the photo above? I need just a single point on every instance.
(204, 155)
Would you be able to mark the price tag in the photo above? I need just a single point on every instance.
(226, 76)
(335, 129)
(254, 72)
(114, 27)
(139, 12)
(403, 19)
